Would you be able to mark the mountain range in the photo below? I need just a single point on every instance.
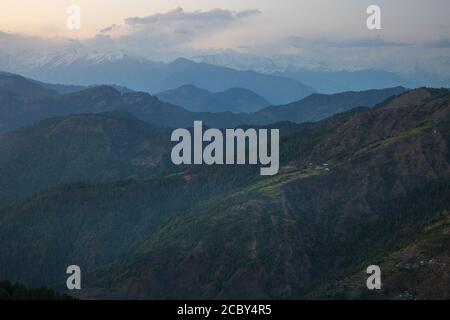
(291, 77)
(335, 81)
(42, 101)
(323, 78)
(195, 99)
(362, 187)
(141, 74)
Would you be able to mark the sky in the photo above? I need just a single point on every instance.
(408, 20)
(329, 32)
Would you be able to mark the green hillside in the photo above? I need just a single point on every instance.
(352, 190)
(89, 148)
(9, 291)
(419, 269)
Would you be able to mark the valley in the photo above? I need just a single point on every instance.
(353, 189)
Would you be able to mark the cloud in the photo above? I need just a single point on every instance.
(109, 29)
(173, 30)
(161, 36)
(213, 18)
(377, 42)
(370, 43)
(17, 44)
(442, 43)
(180, 33)
(247, 13)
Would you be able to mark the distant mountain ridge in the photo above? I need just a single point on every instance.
(322, 78)
(199, 100)
(60, 88)
(38, 102)
(320, 106)
(144, 75)
(22, 87)
(334, 81)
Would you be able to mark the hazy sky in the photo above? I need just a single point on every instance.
(329, 31)
(408, 20)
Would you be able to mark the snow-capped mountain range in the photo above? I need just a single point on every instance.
(278, 79)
